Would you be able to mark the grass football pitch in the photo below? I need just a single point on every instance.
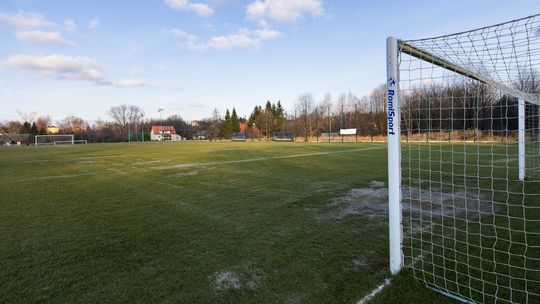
(194, 222)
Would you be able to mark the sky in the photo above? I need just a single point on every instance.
(65, 57)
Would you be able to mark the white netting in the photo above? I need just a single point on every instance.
(471, 226)
(54, 140)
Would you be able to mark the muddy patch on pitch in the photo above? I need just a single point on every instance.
(65, 176)
(151, 162)
(183, 174)
(237, 278)
(225, 280)
(117, 171)
(90, 161)
(417, 202)
(177, 166)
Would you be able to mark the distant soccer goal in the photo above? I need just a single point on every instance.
(54, 140)
(69, 142)
(464, 161)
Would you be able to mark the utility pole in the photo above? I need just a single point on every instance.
(372, 122)
(295, 128)
(329, 122)
(142, 128)
(356, 120)
(161, 121)
(317, 119)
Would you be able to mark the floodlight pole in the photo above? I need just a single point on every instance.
(394, 156)
(161, 120)
(142, 128)
(317, 118)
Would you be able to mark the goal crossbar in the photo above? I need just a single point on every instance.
(411, 50)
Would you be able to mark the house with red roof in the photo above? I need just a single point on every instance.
(164, 133)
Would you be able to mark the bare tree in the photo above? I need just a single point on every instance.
(42, 122)
(73, 124)
(215, 123)
(125, 115)
(27, 117)
(305, 106)
(527, 81)
(378, 101)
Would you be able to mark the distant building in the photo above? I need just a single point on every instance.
(201, 135)
(52, 130)
(243, 127)
(164, 133)
(14, 139)
(195, 123)
(252, 132)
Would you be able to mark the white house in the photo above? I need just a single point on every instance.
(164, 133)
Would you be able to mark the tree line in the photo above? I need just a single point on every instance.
(427, 108)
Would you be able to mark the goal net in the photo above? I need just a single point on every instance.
(464, 161)
(54, 140)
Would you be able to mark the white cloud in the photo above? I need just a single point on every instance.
(130, 83)
(70, 25)
(164, 65)
(22, 19)
(181, 34)
(283, 11)
(267, 34)
(202, 9)
(185, 5)
(44, 38)
(58, 66)
(65, 67)
(94, 23)
(241, 39)
(135, 71)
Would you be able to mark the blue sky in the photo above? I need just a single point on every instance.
(61, 57)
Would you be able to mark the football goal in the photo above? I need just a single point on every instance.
(464, 161)
(55, 140)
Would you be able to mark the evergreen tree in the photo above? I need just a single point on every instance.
(33, 129)
(226, 130)
(254, 118)
(280, 116)
(235, 123)
(25, 129)
(268, 119)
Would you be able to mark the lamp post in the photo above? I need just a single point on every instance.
(142, 128)
(161, 120)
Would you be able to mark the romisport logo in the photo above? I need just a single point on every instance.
(390, 100)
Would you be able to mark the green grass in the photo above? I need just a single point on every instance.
(160, 222)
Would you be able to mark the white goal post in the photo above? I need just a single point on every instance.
(68, 139)
(463, 119)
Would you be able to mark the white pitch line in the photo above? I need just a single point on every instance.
(188, 165)
(373, 293)
(387, 282)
